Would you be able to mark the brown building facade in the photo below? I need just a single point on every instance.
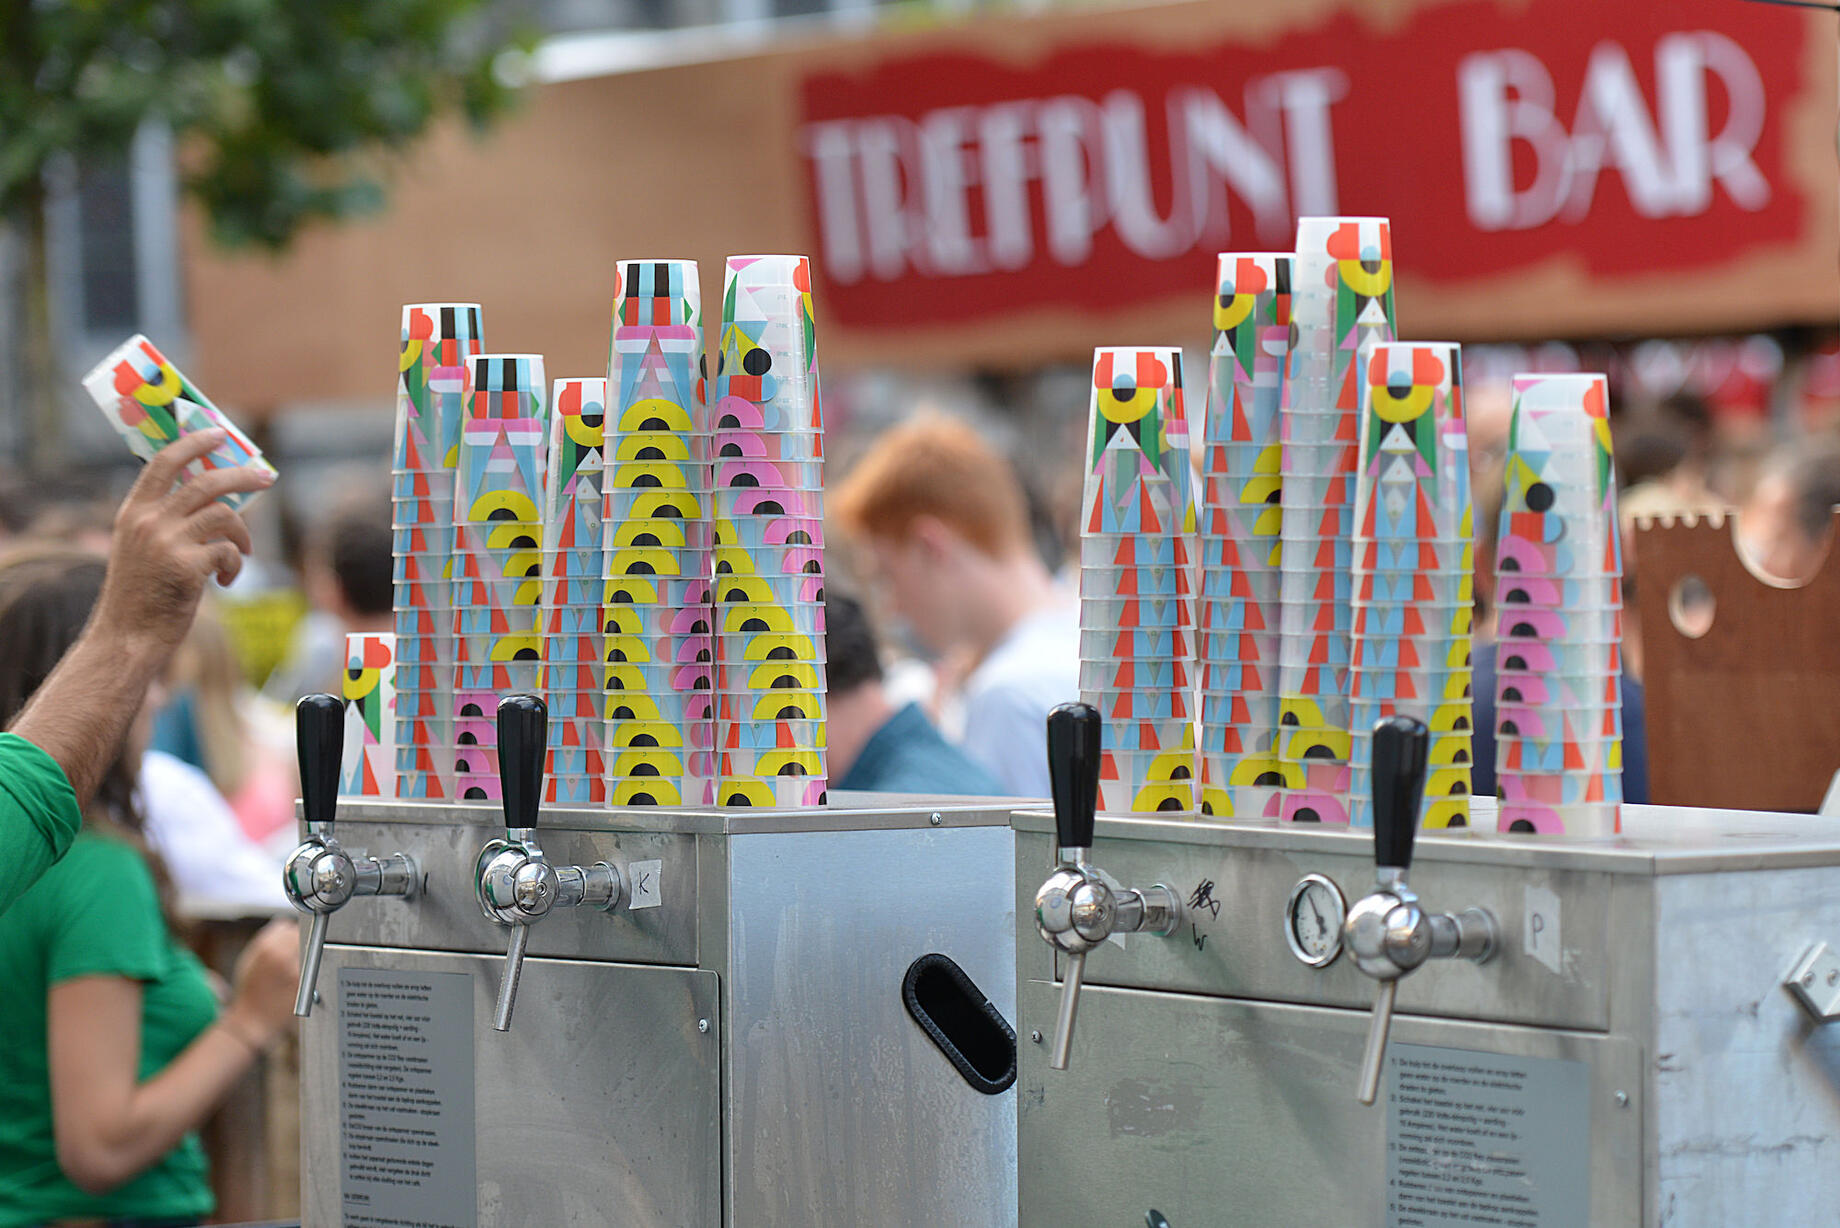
(1007, 192)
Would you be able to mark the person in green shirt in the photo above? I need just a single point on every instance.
(41, 815)
(170, 537)
(115, 1049)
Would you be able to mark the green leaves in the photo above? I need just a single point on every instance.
(285, 111)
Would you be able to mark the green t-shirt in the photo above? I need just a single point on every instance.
(95, 913)
(38, 815)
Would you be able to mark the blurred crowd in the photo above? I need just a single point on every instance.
(973, 567)
(954, 610)
(120, 1042)
(970, 571)
(215, 745)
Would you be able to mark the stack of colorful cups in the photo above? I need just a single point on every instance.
(1137, 605)
(498, 558)
(1342, 301)
(439, 340)
(367, 767)
(768, 445)
(573, 584)
(658, 650)
(1414, 557)
(1559, 602)
(1241, 776)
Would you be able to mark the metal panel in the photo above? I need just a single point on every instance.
(1656, 840)
(841, 1110)
(1220, 1113)
(1746, 1086)
(446, 916)
(1670, 941)
(838, 1103)
(848, 811)
(1241, 952)
(600, 1108)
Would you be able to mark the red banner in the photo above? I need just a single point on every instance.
(1632, 138)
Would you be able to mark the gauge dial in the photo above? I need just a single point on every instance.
(1313, 920)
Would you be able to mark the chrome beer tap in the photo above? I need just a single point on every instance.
(1076, 909)
(1387, 932)
(319, 876)
(517, 886)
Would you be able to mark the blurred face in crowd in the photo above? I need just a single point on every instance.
(1771, 536)
(914, 576)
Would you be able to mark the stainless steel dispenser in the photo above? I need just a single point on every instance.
(1647, 1045)
(789, 1018)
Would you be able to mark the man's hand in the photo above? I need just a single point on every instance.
(168, 540)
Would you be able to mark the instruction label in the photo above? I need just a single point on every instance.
(1485, 1139)
(406, 1099)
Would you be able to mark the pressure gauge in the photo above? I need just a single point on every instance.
(1313, 920)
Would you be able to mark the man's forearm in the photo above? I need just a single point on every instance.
(80, 716)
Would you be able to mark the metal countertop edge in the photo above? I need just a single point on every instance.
(1665, 840)
(891, 812)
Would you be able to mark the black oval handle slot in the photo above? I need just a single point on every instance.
(958, 1018)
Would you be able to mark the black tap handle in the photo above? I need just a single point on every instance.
(1073, 772)
(523, 736)
(319, 740)
(1401, 745)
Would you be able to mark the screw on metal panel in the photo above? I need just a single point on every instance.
(1833, 977)
(936, 818)
(1622, 1100)
(1808, 979)
(702, 1025)
(1035, 1038)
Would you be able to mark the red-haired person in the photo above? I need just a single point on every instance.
(942, 523)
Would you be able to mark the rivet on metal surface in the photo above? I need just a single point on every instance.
(1622, 1100)
(1035, 1038)
(936, 818)
(1814, 983)
(702, 1025)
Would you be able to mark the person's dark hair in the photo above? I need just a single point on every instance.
(849, 643)
(1813, 473)
(45, 599)
(1648, 452)
(1689, 414)
(357, 549)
